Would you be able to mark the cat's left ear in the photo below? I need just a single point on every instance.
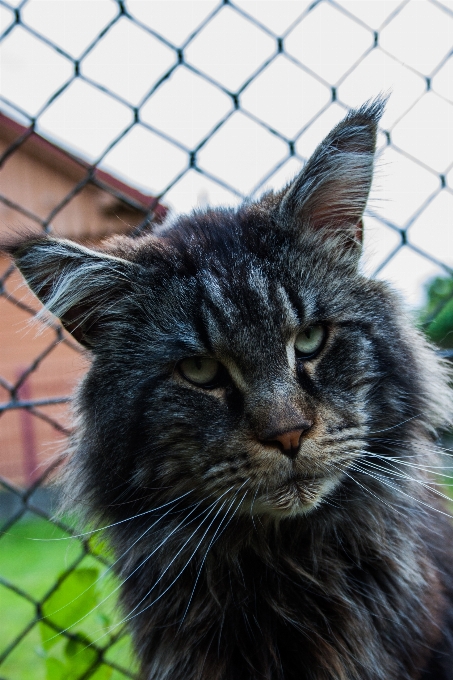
(330, 194)
(87, 289)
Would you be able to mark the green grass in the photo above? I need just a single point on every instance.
(71, 587)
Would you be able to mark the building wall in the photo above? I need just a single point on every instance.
(39, 177)
(27, 440)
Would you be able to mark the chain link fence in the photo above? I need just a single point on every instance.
(38, 630)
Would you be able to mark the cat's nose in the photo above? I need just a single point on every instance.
(288, 442)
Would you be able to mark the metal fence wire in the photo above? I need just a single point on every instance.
(21, 501)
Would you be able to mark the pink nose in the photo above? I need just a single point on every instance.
(288, 442)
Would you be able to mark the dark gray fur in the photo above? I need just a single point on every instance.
(258, 571)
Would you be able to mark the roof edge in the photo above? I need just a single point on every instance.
(105, 180)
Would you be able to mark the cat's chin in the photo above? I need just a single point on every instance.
(295, 497)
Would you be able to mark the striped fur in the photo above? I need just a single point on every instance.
(239, 562)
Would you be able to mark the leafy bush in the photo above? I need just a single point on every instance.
(436, 317)
(60, 619)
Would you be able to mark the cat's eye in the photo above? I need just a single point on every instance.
(201, 371)
(310, 341)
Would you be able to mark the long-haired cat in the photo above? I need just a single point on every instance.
(258, 426)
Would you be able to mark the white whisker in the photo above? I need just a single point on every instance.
(129, 616)
(133, 572)
(397, 488)
(212, 541)
(109, 526)
(395, 461)
(371, 493)
(109, 568)
(400, 475)
(393, 427)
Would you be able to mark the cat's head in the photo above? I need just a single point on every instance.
(237, 354)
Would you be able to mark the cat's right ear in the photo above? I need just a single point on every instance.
(84, 288)
(330, 194)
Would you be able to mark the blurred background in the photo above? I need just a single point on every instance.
(115, 114)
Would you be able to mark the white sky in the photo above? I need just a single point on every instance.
(331, 45)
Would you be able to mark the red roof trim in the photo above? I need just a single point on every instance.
(145, 201)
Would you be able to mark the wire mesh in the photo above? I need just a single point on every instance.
(48, 406)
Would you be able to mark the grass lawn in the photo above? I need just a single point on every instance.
(71, 587)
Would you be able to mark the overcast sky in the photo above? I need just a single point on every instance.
(360, 47)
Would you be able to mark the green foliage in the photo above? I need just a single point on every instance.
(76, 602)
(74, 659)
(77, 636)
(76, 597)
(436, 317)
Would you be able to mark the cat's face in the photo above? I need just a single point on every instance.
(237, 355)
(264, 377)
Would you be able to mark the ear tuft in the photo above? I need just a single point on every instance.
(331, 192)
(79, 285)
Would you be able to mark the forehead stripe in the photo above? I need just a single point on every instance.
(202, 328)
(296, 304)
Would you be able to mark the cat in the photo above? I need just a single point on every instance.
(258, 428)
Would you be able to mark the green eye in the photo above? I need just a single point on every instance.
(200, 370)
(310, 341)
